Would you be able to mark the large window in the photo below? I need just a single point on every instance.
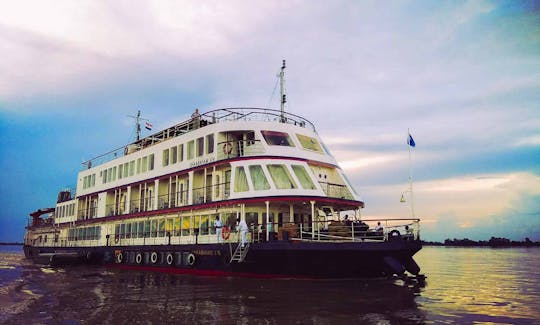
(210, 143)
(190, 149)
(174, 155)
(200, 146)
(275, 138)
(240, 180)
(303, 177)
(281, 177)
(258, 178)
(309, 143)
(165, 157)
(151, 162)
(181, 152)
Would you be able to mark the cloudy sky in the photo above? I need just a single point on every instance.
(463, 76)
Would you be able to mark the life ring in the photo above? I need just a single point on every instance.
(170, 259)
(394, 234)
(138, 258)
(153, 258)
(191, 259)
(227, 148)
(225, 232)
(119, 258)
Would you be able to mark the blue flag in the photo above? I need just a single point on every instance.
(410, 141)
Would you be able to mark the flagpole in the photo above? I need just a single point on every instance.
(410, 173)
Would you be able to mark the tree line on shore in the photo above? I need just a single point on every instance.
(492, 242)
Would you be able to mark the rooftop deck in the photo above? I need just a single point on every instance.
(196, 122)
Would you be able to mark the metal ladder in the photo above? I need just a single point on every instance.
(240, 253)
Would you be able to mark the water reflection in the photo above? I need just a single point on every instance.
(464, 285)
(481, 284)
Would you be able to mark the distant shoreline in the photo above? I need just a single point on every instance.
(493, 242)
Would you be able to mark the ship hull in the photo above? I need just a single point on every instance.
(282, 259)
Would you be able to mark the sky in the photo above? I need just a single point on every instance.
(462, 76)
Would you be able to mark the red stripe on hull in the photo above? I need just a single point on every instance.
(204, 272)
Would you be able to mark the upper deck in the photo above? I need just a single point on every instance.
(197, 122)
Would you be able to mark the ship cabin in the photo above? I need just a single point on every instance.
(264, 166)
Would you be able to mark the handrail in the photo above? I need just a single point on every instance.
(208, 118)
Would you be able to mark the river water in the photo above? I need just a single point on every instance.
(463, 285)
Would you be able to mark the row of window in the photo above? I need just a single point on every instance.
(280, 175)
(89, 181)
(140, 165)
(179, 226)
(67, 210)
(86, 233)
(195, 148)
(277, 138)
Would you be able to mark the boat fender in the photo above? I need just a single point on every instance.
(394, 234)
(225, 232)
(89, 256)
(153, 257)
(116, 239)
(138, 258)
(191, 259)
(170, 259)
(411, 266)
(227, 148)
(119, 258)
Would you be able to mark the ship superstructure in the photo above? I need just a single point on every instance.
(153, 204)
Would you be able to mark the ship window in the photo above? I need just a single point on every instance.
(204, 225)
(169, 227)
(186, 225)
(153, 228)
(165, 157)
(218, 185)
(104, 176)
(109, 175)
(161, 227)
(281, 177)
(151, 162)
(177, 228)
(122, 230)
(258, 178)
(144, 164)
(140, 229)
(303, 177)
(275, 138)
(147, 228)
(190, 149)
(181, 152)
(240, 180)
(134, 231)
(174, 155)
(120, 170)
(210, 143)
(138, 165)
(348, 183)
(309, 143)
(200, 146)
(128, 230)
(131, 168)
(93, 181)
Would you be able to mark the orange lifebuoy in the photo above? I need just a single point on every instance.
(227, 148)
(225, 232)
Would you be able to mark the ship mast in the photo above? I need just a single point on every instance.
(282, 92)
(138, 120)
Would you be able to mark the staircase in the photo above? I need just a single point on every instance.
(240, 253)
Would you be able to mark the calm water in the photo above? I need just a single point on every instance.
(464, 285)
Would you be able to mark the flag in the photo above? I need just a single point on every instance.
(148, 126)
(410, 141)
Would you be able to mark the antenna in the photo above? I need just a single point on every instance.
(282, 91)
(138, 120)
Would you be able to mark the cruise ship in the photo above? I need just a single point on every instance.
(232, 192)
